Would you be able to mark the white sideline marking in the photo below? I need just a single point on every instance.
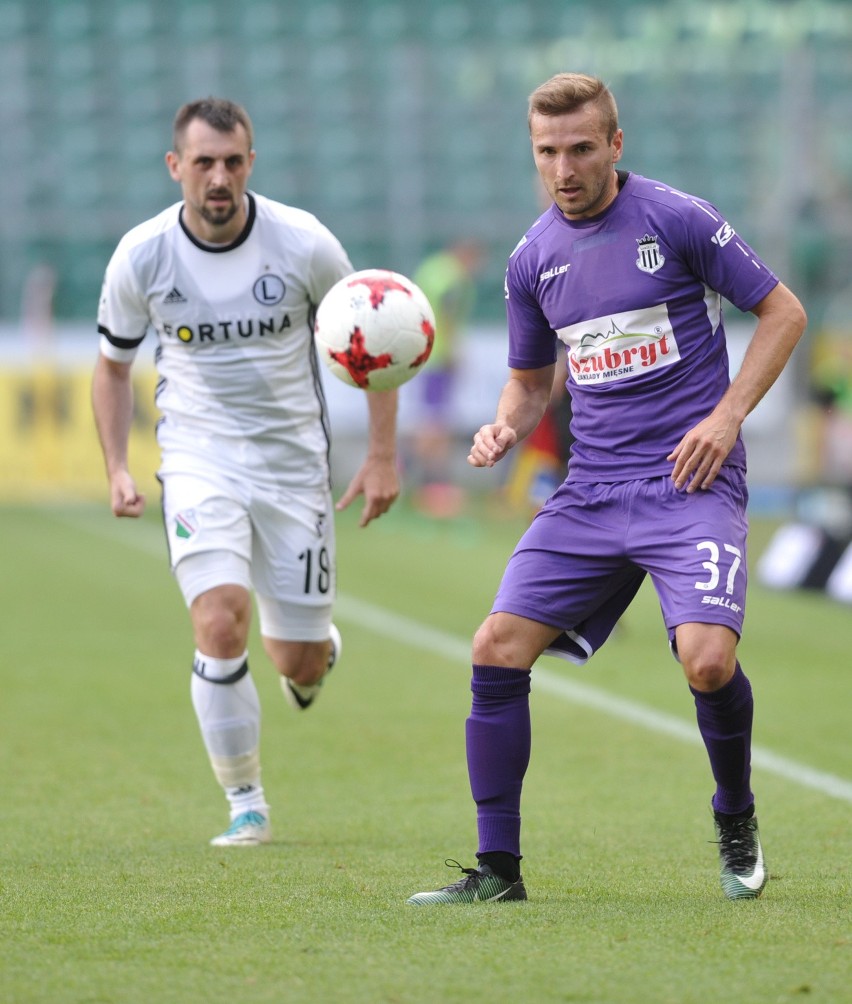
(411, 632)
(145, 537)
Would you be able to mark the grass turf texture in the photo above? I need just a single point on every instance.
(109, 892)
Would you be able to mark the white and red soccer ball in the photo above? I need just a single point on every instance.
(374, 329)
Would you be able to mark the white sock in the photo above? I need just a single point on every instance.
(228, 712)
(247, 798)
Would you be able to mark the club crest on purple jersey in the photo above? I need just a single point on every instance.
(650, 260)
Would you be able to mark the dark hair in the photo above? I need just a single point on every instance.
(221, 114)
(566, 92)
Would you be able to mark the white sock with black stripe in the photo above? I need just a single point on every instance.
(228, 711)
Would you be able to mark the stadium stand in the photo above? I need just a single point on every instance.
(401, 123)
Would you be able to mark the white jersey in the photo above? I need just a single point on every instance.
(239, 384)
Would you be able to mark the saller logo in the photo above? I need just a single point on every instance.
(556, 270)
(620, 346)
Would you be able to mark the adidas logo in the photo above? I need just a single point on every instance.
(175, 296)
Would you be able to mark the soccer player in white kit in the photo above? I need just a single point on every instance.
(229, 281)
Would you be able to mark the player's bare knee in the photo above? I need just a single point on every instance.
(220, 629)
(220, 636)
(708, 671)
(494, 644)
(708, 654)
(484, 644)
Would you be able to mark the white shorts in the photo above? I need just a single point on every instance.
(278, 543)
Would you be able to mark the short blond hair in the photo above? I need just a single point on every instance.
(566, 92)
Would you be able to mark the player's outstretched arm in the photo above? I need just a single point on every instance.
(112, 403)
(522, 404)
(378, 478)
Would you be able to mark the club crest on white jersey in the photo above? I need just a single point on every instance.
(269, 290)
(620, 346)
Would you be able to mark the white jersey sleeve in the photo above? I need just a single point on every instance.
(123, 317)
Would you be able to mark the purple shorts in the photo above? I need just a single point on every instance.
(584, 556)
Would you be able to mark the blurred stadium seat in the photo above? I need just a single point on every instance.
(401, 123)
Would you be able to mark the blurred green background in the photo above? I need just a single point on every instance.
(402, 126)
(402, 123)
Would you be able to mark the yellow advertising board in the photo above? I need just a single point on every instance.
(48, 443)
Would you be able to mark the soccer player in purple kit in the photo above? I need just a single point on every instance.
(628, 274)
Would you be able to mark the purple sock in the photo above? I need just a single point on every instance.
(498, 752)
(724, 720)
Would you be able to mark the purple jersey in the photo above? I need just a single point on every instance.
(635, 296)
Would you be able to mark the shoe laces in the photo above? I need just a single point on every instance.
(737, 844)
(472, 876)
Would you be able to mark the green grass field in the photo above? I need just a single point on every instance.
(109, 893)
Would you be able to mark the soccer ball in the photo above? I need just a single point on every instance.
(374, 329)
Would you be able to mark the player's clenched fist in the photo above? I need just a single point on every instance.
(125, 499)
(491, 444)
